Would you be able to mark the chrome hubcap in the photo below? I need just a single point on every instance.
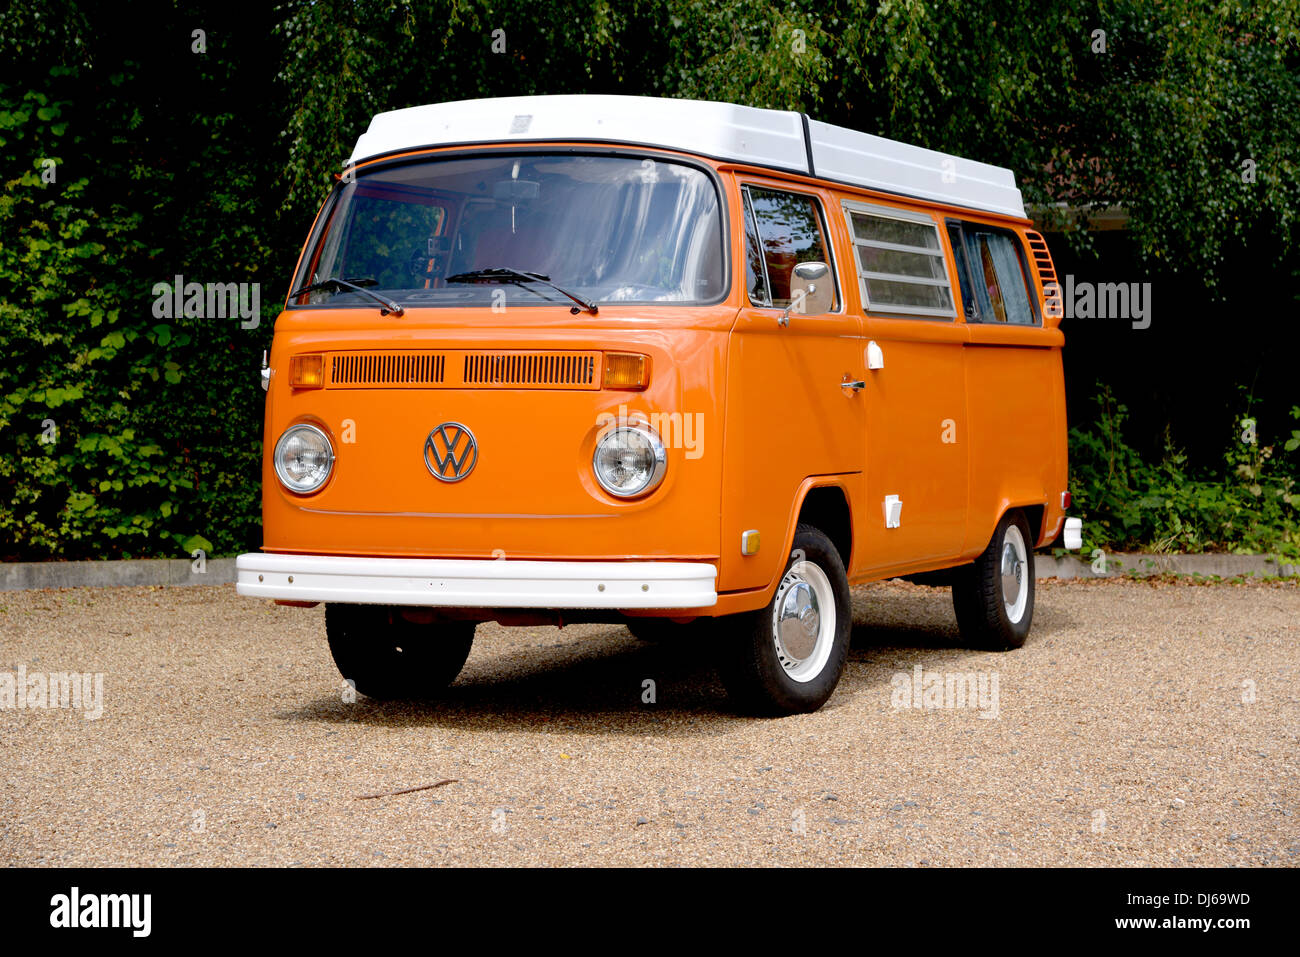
(798, 621)
(1015, 574)
(803, 621)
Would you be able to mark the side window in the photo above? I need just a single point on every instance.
(781, 231)
(900, 262)
(968, 304)
(755, 270)
(999, 276)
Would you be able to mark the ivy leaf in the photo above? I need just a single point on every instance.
(197, 542)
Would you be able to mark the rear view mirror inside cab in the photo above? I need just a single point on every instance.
(515, 191)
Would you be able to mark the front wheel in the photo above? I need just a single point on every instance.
(387, 655)
(994, 596)
(787, 657)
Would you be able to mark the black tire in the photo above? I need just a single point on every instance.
(983, 616)
(757, 668)
(386, 656)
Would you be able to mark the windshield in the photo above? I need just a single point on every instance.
(607, 229)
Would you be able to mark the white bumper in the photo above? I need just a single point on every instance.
(1073, 534)
(477, 583)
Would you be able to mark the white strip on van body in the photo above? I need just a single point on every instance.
(476, 583)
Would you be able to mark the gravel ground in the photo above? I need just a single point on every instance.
(1123, 736)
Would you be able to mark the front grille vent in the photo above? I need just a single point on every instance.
(463, 369)
(525, 369)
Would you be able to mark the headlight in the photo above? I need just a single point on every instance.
(629, 460)
(303, 458)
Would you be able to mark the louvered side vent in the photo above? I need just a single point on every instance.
(371, 370)
(532, 370)
(1053, 302)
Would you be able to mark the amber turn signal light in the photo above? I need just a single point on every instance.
(307, 372)
(627, 370)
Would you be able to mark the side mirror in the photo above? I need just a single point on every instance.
(812, 291)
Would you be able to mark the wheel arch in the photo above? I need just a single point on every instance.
(825, 503)
(1033, 504)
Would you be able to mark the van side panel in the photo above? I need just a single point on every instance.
(918, 443)
(963, 422)
(1017, 396)
(1014, 432)
(787, 419)
(916, 440)
(787, 416)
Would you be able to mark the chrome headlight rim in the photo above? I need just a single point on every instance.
(287, 483)
(657, 449)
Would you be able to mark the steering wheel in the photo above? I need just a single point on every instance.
(418, 263)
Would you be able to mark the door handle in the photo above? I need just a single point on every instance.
(857, 385)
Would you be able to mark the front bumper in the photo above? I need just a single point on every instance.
(476, 583)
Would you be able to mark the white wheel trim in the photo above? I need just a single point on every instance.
(811, 576)
(1014, 574)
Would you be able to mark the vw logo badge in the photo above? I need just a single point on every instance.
(450, 452)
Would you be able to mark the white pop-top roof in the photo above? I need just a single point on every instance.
(775, 138)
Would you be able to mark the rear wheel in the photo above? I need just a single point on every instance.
(386, 655)
(994, 596)
(787, 657)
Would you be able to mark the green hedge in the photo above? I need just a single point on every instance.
(123, 434)
(1248, 503)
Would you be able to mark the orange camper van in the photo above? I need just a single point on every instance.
(691, 367)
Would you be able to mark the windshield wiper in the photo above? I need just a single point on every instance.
(506, 274)
(356, 285)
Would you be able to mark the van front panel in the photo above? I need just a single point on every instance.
(531, 492)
